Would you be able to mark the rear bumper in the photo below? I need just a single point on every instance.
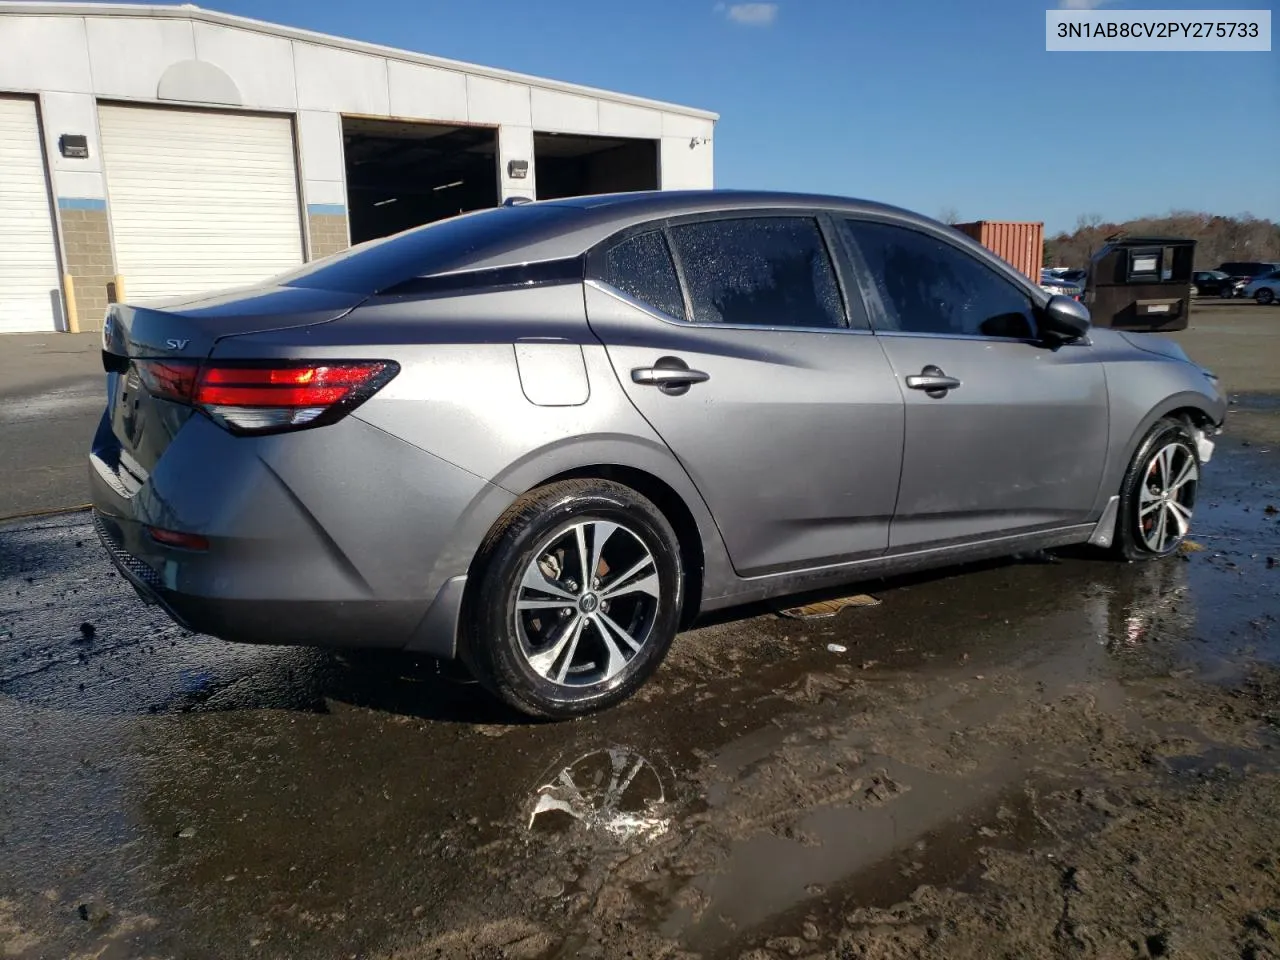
(346, 624)
(337, 537)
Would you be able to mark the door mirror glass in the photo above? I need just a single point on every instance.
(1065, 319)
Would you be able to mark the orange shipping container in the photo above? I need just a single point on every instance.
(1022, 244)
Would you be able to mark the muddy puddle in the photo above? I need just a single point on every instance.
(1060, 756)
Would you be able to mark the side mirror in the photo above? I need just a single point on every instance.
(1065, 319)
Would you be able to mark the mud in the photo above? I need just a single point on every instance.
(1060, 757)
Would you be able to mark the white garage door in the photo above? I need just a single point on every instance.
(199, 199)
(29, 290)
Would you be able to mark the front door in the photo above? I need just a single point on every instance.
(786, 417)
(1004, 435)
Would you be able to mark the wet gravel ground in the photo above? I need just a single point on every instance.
(1023, 759)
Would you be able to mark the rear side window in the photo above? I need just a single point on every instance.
(759, 272)
(441, 247)
(641, 267)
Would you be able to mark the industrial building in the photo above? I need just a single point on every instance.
(158, 151)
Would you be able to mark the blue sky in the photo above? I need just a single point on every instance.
(928, 104)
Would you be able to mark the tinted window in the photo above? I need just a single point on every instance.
(642, 268)
(927, 286)
(761, 272)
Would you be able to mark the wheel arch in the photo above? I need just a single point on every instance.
(1189, 407)
(672, 506)
(652, 471)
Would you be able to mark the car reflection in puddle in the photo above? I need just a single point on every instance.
(614, 792)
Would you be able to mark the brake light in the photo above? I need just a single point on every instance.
(267, 397)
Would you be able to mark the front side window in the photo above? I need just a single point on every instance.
(759, 272)
(641, 267)
(928, 286)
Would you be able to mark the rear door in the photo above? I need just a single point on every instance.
(733, 337)
(1004, 435)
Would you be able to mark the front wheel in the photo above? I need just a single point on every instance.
(576, 599)
(1265, 296)
(1158, 495)
(1225, 292)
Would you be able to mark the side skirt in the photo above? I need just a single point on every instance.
(783, 584)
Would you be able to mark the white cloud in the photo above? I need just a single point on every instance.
(1082, 4)
(749, 14)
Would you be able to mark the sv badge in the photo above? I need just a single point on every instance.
(176, 344)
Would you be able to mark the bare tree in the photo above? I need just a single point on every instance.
(949, 215)
(1218, 238)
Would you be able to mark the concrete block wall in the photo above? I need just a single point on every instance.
(86, 248)
(328, 231)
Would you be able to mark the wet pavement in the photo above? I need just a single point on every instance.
(1055, 757)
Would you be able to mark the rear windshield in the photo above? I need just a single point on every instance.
(438, 247)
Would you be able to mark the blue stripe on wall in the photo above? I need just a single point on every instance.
(338, 209)
(81, 203)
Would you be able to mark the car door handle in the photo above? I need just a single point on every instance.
(671, 375)
(933, 381)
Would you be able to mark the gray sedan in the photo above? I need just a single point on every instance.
(544, 438)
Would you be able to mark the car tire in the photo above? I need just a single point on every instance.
(1149, 524)
(547, 638)
(1225, 292)
(1265, 296)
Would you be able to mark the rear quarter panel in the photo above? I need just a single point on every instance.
(462, 396)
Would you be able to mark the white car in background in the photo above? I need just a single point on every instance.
(1265, 289)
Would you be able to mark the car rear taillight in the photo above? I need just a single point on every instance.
(267, 397)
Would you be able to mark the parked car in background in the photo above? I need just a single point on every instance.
(1063, 282)
(1056, 287)
(1265, 289)
(1242, 271)
(544, 438)
(1212, 283)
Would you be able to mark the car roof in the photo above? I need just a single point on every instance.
(651, 204)
(597, 217)
(550, 230)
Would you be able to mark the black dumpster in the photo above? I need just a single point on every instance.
(1141, 283)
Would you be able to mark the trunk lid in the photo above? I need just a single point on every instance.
(189, 328)
(139, 426)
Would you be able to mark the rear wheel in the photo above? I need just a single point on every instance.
(577, 599)
(1265, 296)
(1158, 495)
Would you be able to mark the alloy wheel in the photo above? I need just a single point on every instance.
(1167, 497)
(586, 603)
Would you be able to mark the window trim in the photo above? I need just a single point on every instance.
(875, 306)
(850, 307)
